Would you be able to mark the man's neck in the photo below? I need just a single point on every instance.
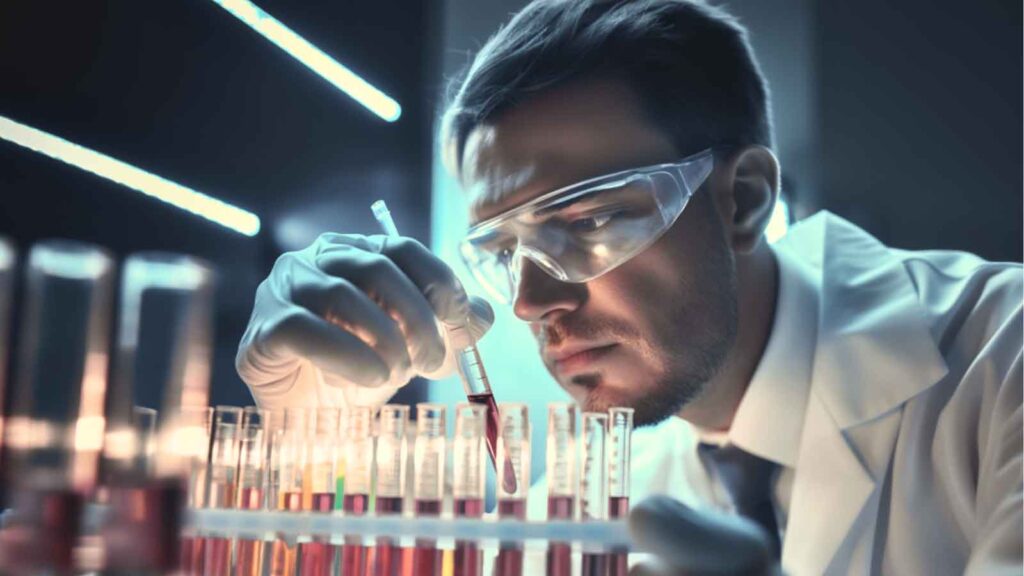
(757, 281)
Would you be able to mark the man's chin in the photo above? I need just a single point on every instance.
(594, 394)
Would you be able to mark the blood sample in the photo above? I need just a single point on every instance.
(468, 473)
(561, 477)
(513, 448)
(620, 433)
(594, 486)
(428, 481)
(391, 459)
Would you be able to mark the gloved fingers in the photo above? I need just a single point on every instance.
(386, 284)
(481, 317)
(300, 333)
(690, 541)
(432, 276)
(342, 304)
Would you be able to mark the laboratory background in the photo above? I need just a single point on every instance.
(902, 117)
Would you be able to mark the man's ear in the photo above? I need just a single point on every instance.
(749, 188)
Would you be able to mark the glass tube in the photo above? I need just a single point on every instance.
(8, 261)
(513, 448)
(358, 473)
(468, 474)
(251, 485)
(594, 485)
(391, 460)
(561, 478)
(316, 556)
(428, 480)
(221, 483)
(192, 446)
(294, 487)
(55, 428)
(620, 434)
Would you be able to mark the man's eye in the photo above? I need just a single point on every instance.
(591, 223)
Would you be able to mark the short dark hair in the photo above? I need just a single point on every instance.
(690, 64)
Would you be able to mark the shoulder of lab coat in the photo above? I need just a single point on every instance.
(917, 384)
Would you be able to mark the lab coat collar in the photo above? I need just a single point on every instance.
(874, 352)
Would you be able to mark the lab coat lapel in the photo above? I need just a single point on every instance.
(874, 352)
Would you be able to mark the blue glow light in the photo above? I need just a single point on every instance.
(187, 199)
(315, 59)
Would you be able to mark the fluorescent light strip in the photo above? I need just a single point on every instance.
(315, 59)
(187, 199)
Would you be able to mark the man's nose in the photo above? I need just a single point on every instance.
(539, 294)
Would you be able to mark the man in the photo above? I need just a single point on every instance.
(859, 405)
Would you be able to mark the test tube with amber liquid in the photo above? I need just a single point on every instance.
(620, 433)
(469, 449)
(428, 481)
(561, 478)
(514, 450)
(593, 486)
(252, 479)
(390, 460)
(358, 454)
(293, 494)
(316, 556)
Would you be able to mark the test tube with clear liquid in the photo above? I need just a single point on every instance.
(192, 432)
(358, 454)
(252, 479)
(620, 434)
(561, 477)
(293, 493)
(514, 448)
(391, 462)
(221, 483)
(594, 486)
(316, 556)
(54, 432)
(429, 453)
(468, 475)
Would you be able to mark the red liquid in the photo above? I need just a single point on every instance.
(512, 508)
(468, 561)
(192, 555)
(510, 554)
(618, 507)
(43, 540)
(426, 561)
(388, 560)
(353, 553)
(282, 556)
(618, 562)
(141, 533)
(249, 553)
(594, 565)
(559, 561)
(316, 558)
(217, 556)
(508, 472)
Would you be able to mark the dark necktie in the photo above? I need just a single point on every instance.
(748, 481)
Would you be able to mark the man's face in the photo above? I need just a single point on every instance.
(649, 333)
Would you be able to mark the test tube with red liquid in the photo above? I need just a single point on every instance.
(391, 460)
(358, 455)
(293, 493)
(56, 422)
(221, 483)
(468, 475)
(514, 448)
(191, 433)
(620, 433)
(428, 481)
(594, 486)
(316, 556)
(252, 478)
(561, 478)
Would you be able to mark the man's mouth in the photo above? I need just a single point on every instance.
(569, 360)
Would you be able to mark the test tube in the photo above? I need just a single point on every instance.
(468, 472)
(428, 480)
(316, 557)
(514, 448)
(8, 260)
(252, 479)
(594, 485)
(358, 473)
(561, 477)
(293, 492)
(192, 435)
(391, 460)
(55, 428)
(221, 483)
(620, 433)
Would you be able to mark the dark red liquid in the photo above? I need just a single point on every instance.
(594, 565)
(618, 561)
(316, 558)
(389, 505)
(43, 539)
(141, 533)
(512, 508)
(559, 561)
(510, 554)
(192, 555)
(388, 556)
(216, 556)
(428, 507)
(353, 553)
(468, 561)
(618, 507)
(426, 560)
(507, 472)
(249, 553)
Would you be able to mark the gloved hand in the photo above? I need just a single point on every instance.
(350, 319)
(688, 541)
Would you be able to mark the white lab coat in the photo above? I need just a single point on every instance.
(910, 454)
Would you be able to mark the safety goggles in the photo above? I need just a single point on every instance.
(583, 231)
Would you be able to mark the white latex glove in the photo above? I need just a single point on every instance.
(351, 319)
(687, 541)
